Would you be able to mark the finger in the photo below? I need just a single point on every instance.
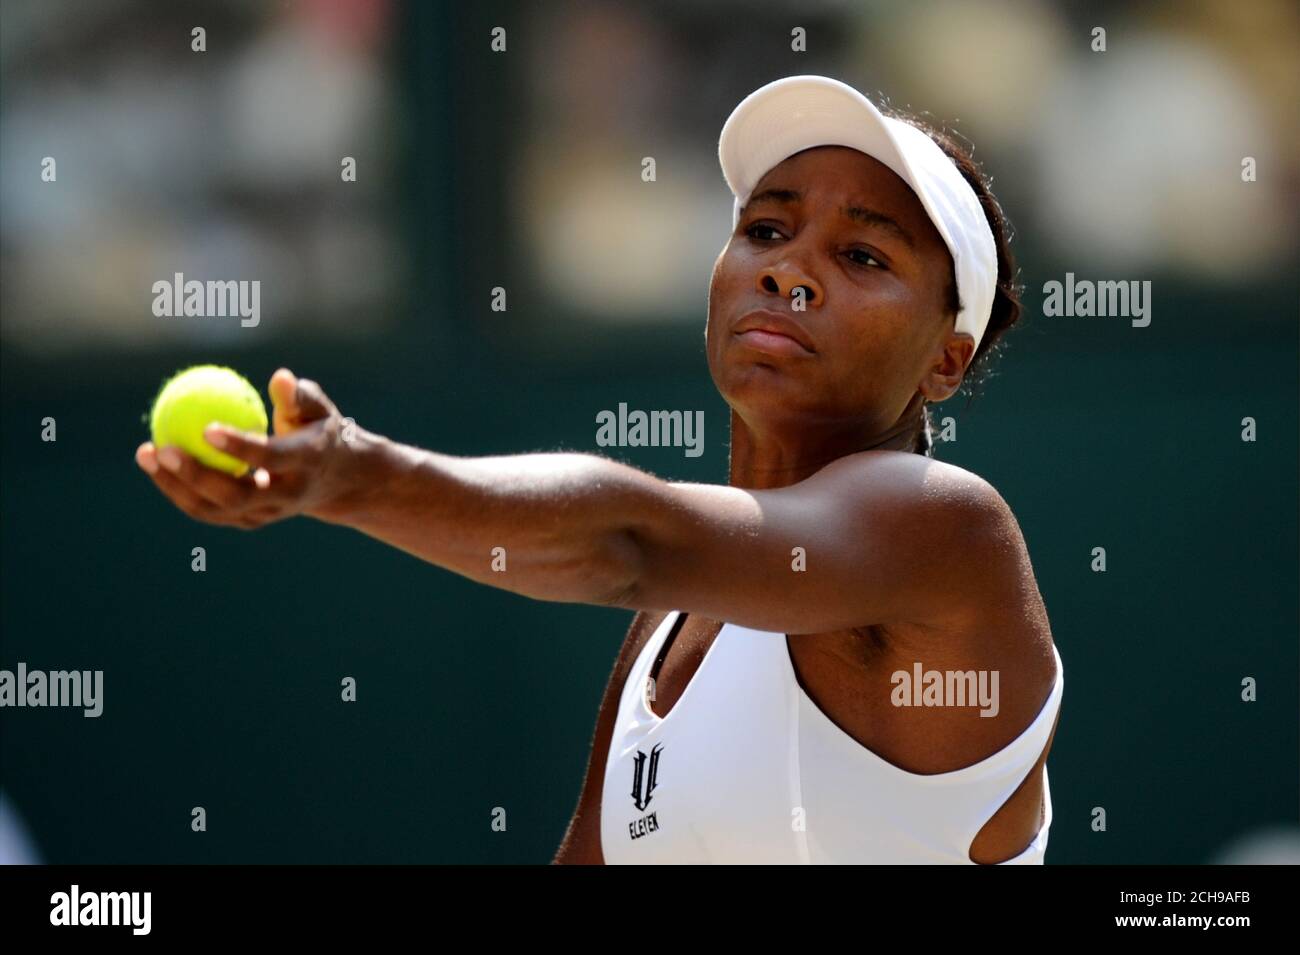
(263, 453)
(184, 497)
(312, 402)
(297, 401)
(223, 490)
(283, 389)
(193, 504)
(147, 457)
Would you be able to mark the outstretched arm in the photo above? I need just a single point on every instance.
(871, 538)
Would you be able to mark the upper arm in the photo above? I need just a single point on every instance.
(581, 842)
(873, 538)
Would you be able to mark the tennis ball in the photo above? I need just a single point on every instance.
(195, 398)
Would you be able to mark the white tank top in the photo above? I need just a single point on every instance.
(745, 769)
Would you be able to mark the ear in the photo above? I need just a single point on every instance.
(944, 375)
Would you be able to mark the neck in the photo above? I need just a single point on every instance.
(780, 457)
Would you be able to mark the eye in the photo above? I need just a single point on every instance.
(866, 258)
(758, 226)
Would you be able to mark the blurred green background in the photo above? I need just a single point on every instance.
(522, 170)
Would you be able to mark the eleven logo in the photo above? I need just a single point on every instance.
(645, 773)
(643, 779)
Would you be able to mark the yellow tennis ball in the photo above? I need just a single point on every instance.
(195, 398)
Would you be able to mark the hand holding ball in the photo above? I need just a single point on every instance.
(210, 429)
(197, 397)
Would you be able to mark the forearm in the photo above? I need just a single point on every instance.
(879, 534)
(550, 526)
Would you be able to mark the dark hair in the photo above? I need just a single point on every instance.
(1006, 299)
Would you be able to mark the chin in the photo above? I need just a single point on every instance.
(758, 391)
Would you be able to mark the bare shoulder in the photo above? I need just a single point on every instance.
(947, 528)
(921, 489)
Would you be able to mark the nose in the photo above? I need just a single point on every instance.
(782, 280)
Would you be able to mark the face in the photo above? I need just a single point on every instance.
(876, 277)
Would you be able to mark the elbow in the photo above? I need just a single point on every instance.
(616, 571)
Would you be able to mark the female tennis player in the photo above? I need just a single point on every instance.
(841, 655)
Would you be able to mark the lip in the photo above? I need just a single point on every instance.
(774, 332)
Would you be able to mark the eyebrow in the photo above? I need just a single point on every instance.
(867, 217)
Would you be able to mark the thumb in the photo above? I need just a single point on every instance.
(296, 401)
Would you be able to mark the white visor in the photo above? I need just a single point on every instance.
(799, 112)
